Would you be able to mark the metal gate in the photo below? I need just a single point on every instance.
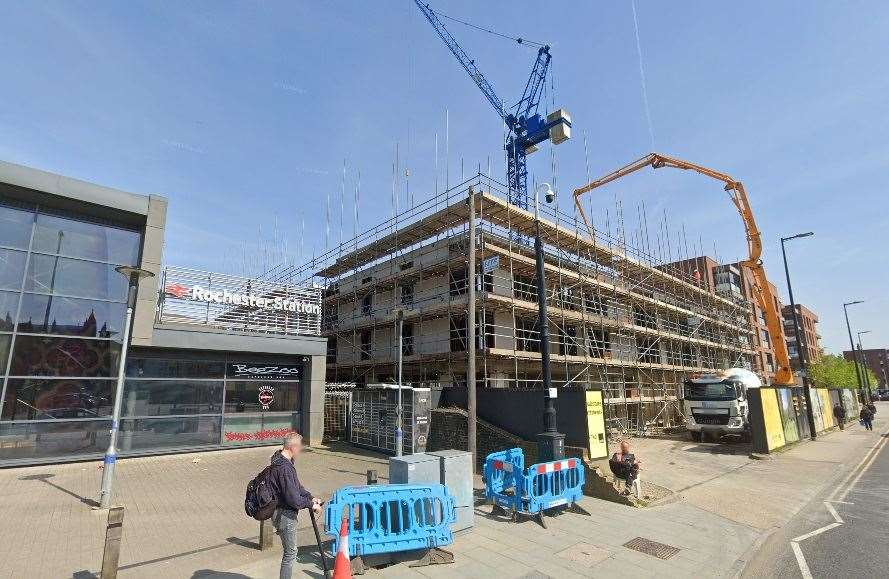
(337, 411)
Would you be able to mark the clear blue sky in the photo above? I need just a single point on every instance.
(242, 113)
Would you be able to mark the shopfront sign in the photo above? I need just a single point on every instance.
(250, 371)
(266, 396)
(237, 303)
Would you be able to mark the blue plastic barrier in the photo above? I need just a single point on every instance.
(391, 518)
(542, 486)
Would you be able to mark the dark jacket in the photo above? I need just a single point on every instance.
(286, 485)
(839, 412)
(866, 414)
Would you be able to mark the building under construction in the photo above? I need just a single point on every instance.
(619, 319)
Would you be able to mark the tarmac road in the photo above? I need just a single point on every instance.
(843, 532)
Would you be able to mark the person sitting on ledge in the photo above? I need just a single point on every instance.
(625, 466)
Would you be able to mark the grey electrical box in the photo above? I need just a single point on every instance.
(374, 417)
(455, 468)
(415, 469)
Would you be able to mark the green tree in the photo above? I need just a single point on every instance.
(832, 371)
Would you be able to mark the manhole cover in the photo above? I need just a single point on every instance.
(653, 548)
(584, 554)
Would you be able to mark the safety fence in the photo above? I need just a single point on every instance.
(391, 518)
(531, 491)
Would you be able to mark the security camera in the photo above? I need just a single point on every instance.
(547, 191)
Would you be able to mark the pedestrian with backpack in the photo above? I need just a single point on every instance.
(276, 493)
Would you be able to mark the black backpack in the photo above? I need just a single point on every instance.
(261, 501)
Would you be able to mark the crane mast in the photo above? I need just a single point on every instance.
(527, 128)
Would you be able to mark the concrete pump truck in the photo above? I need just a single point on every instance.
(715, 402)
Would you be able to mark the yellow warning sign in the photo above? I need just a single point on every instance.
(595, 416)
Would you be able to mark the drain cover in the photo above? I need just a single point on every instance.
(653, 548)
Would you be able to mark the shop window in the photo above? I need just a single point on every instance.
(366, 344)
(165, 368)
(12, 269)
(157, 433)
(407, 340)
(66, 438)
(15, 227)
(58, 235)
(39, 356)
(47, 399)
(458, 282)
(458, 333)
(261, 396)
(171, 397)
(245, 430)
(76, 278)
(71, 316)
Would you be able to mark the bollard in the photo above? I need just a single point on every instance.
(266, 535)
(371, 477)
(113, 534)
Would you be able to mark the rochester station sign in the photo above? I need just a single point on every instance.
(237, 303)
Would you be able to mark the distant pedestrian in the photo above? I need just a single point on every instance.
(292, 496)
(867, 418)
(840, 414)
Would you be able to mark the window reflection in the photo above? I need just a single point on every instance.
(45, 399)
(15, 227)
(62, 236)
(39, 356)
(70, 316)
(164, 368)
(5, 341)
(48, 439)
(169, 432)
(50, 274)
(166, 397)
(9, 303)
(244, 396)
(12, 269)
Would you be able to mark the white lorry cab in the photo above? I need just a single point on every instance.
(715, 403)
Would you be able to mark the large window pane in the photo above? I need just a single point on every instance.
(82, 239)
(266, 428)
(12, 269)
(164, 397)
(71, 316)
(152, 433)
(5, 341)
(15, 227)
(245, 396)
(36, 399)
(39, 356)
(163, 368)
(48, 274)
(53, 439)
(9, 303)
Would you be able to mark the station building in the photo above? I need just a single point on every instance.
(214, 360)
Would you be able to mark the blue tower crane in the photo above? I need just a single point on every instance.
(527, 127)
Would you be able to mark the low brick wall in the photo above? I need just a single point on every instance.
(451, 425)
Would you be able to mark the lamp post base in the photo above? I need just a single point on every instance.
(550, 446)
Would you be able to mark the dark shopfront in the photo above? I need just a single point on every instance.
(237, 363)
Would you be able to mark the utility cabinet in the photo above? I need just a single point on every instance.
(455, 468)
(374, 417)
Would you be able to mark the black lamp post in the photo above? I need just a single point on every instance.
(550, 442)
(801, 350)
(852, 345)
(864, 364)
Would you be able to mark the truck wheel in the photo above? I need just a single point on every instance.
(696, 436)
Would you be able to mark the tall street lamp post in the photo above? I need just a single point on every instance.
(801, 349)
(133, 274)
(852, 344)
(550, 442)
(864, 364)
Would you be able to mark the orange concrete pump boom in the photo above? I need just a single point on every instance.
(761, 287)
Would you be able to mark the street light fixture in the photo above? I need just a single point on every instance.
(864, 365)
(550, 442)
(133, 275)
(852, 345)
(801, 349)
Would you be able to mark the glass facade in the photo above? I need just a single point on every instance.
(62, 308)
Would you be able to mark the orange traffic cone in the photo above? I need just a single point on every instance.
(342, 568)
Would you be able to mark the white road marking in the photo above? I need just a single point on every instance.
(860, 469)
(840, 502)
(801, 561)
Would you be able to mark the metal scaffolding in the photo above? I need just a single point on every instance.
(619, 318)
